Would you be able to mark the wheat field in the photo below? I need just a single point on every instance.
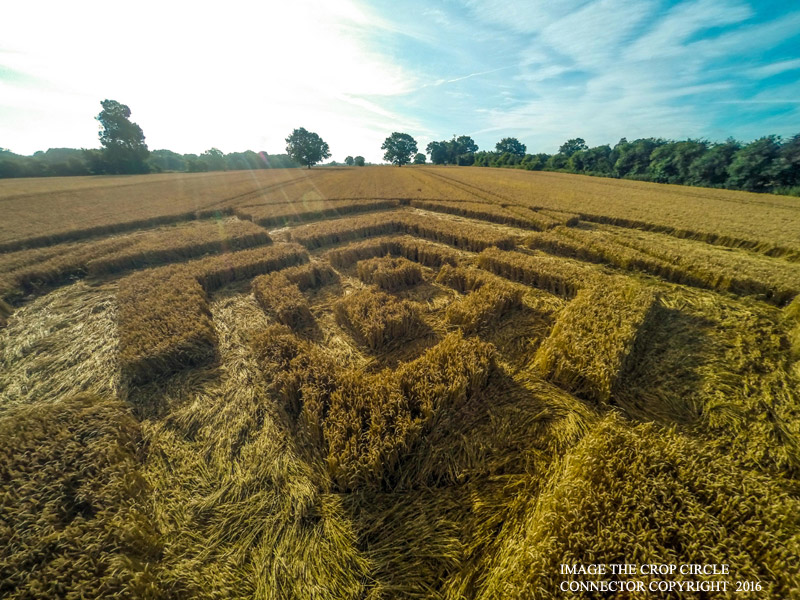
(393, 383)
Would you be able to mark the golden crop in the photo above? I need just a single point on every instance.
(426, 253)
(424, 383)
(271, 215)
(517, 217)
(765, 224)
(26, 271)
(282, 299)
(73, 501)
(555, 276)
(684, 262)
(164, 321)
(176, 244)
(376, 318)
(481, 307)
(364, 423)
(593, 337)
(280, 293)
(69, 209)
(389, 273)
(467, 236)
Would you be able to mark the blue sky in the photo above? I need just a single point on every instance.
(242, 75)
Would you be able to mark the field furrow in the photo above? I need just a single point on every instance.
(31, 271)
(682, 262)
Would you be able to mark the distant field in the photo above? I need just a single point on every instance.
(76, 206)
(718, 216)
(381, 383)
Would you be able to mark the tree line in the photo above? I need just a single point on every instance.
(60, 162)
(768, 164)
(124, 151)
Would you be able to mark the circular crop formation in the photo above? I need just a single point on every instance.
(381, 384)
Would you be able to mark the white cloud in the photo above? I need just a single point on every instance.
(196, 75)
(522, 17)
(594, 36)
(243, 75)
(614, 67)
(744, 41)
(775, 68)
(684, 21)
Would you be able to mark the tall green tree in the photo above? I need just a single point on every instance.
(597, 160)
(577, 162)
(166, 160)
(536, 162)
(349, 161)
(214, 158)
(754, 167)
(464, 144)
(438, 152)
(359, 160)
(711, 168)
(247, 160)
(483, 158)
(557, 162)
(400, 147)
(419, 158)
(572, 146)
(124, 150)
(670, 162)
(787, 168)
(461, 150)
(457, 151)
(633, 158)
(306, 147)
(510, 145)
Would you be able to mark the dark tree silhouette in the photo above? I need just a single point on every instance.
(306, 147)
(510, 145)
(753, 166)
(572, 146)
(124, 150)
(400, 147)
(438, 152)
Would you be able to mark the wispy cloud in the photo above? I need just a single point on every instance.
(193, 70)
(670, 34)
(354, 71)
(439, 82)
(611, 68)
(786, 101)
(775, 68)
